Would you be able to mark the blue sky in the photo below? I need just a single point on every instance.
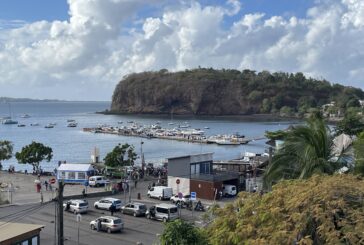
(80, 49)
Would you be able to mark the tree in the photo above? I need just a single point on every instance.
(121, 155)
(351, 124)
(6, 150)
(359, 154)
(318, 210)
(179, 232)
(33, 154)
(307, 150)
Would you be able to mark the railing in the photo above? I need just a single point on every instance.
(216, 176)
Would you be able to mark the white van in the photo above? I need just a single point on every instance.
(229, 190)
(98, 181)
(163, 211)
(161, 192)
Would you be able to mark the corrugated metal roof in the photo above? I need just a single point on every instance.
(75, 167)
(10, 230)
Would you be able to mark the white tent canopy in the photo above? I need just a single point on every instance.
(75, 167)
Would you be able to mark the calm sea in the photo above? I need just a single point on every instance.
(75, 146)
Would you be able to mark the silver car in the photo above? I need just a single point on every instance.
(134, 208)
(107, 223)
(76, 206)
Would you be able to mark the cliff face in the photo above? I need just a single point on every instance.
(219, 92)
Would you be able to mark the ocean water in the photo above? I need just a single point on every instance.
(75, 146)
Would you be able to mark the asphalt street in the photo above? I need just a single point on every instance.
(136, 229)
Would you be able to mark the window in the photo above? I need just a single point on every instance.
(81, 175)
(71, 175)
(162, 210)
(62, 174)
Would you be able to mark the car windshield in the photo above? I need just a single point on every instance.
(117, 221)
(233, 188)
(82, 204)
(117, 202)
(173, 210)
(142, 207)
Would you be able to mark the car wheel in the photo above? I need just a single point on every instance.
(93, 227)
(108, 230)
(164, 220)
(134, 214)
(97, 207)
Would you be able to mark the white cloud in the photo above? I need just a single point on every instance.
(84, 57)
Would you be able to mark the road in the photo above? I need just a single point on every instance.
(136, 229)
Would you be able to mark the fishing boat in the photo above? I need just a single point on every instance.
(21, 125)
(25, 116)
(34, 124)
(50, 125)
(206, 127)
(226, 142)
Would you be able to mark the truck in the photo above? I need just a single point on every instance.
(161, 192)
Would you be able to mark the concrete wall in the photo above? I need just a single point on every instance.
(179, 167)
(184, 185)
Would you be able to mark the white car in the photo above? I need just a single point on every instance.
(108, 224)
(98, 181)
(183, 200)
(76, 206)
(105, 203)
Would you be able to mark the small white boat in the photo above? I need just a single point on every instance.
(120, 122)
(25, 116)
(21, 125)
(170, 123)
(206, 127)
(72, 125)
(50, 125)
(184, 126)
(34, 124)
(9, 121)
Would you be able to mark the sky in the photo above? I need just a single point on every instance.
(81, 49)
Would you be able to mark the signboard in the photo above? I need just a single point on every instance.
(178, 181)
(85, 183)
(193, 196)
(79, 217)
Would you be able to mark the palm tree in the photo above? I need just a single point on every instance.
(307, 150)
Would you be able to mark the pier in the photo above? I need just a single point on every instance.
(177, 134)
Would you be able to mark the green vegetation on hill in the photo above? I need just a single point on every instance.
(228, 92)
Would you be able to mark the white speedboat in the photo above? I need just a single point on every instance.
(25, 116)
(9, 121)
(72, 125)
(50, 125)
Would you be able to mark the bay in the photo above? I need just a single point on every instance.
(75, 146)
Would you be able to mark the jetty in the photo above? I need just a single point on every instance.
(178, 134)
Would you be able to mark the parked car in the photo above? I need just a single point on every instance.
(76, 206)
(229, 190)
(98, 181)
(105, 203)
(108, 223)
(161, 192)
(134, 208)
(163, 211)
(184, 199)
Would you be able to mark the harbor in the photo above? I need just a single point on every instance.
(180, 133)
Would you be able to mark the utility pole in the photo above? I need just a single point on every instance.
(60, 213)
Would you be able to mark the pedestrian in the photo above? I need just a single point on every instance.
(135, 183)
(149, 187)
(98, 226)
(46, 184)
(50, 187)
(112, 209)
(220, 193)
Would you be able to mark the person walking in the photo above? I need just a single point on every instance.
(112, 209)
(98, 226)
(46, 184)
